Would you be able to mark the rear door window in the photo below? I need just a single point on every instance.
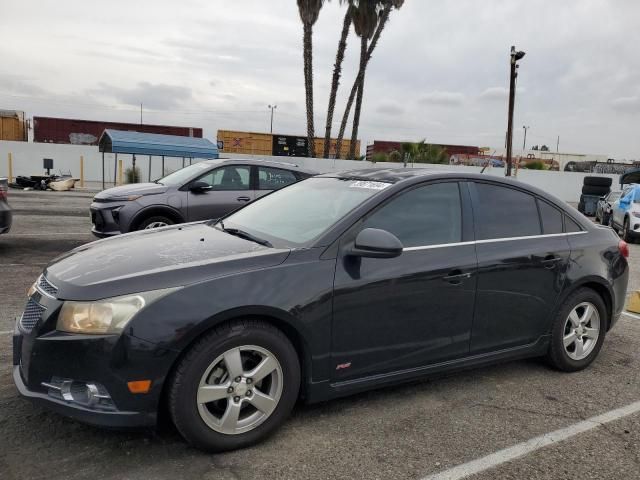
(570, 225)
(551, 218)
(274, 178)
(503, 212)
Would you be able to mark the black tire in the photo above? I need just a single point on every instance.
(155, 219)
(557, 356)
(627, 236)
(598, 181)
(581, 206)
(184, 384)
(605, 218)
(594, 190)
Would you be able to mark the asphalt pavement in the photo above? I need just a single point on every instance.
(405, 432)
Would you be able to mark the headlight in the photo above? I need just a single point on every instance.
(110, 315)
(125, 198)
(32, 289)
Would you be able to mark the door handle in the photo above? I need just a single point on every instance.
(243, 199)
(456, 277)
(550, 261)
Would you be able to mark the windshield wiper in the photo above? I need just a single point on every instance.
(246, 235)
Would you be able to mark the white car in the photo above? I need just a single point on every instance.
(625, 213)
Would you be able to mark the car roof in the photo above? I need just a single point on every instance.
(388, 175)
(259, 161)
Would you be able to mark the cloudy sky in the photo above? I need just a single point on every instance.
(440, 71)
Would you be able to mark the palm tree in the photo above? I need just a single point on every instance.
(337, 70)
(365, 21)
(309, 12)
(384, 17)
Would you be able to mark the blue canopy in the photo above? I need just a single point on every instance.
(119, 141)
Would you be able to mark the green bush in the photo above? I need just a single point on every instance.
(535, 165)
(395, 156)
(379, 157)
(132, 175)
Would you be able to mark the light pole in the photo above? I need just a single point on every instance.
(272, 108)
(524, 144)
(514, 57)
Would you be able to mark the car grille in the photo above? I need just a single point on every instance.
(46, 287)
(30, 316)
(97, 220)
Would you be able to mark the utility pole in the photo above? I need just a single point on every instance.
(272, 108)
(524, 144)
(558, 145)
(514, 57)
(140, 114)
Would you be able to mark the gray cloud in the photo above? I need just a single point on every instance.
(447, 99)
(390, 109)
(627, 104)
(158, 96)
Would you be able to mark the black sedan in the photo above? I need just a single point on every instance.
(603, 207)
(5, 209)
(334, 285)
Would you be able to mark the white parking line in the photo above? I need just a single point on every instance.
(637, 317)
(47, 234)
(6, 332)
(524, 448)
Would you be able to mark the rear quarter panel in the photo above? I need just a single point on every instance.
(595, 258)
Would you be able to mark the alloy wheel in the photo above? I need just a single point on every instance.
(240, 389)
(581, 331)
(155, 225)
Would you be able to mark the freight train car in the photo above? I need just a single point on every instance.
(254, 143)
(87, 132)
(13, 126)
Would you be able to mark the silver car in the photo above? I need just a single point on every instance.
(202, 191)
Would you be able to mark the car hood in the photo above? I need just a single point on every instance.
(133, 189)
(152, 259)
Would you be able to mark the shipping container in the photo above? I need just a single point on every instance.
(12, 126)
(254, 143)
(249, 143)
(88, 132)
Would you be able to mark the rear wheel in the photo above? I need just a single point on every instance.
(578, 331)
(235, 386)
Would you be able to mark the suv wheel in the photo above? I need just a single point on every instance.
(156, 221)
(578, 331)
(235, 386)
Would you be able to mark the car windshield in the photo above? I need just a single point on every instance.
(300, 213)
(180, 177)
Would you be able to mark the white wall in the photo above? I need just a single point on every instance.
(27, 160)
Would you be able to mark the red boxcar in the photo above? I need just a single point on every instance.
(87, 132)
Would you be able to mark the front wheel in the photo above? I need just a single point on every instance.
(235, 386)
(156, 221)
(626, 231)
(578, 331)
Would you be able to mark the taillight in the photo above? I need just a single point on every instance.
(623, 248)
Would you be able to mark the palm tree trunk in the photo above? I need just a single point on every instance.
(356, 113)
(374, 41)
(308, 85)
(335, 81)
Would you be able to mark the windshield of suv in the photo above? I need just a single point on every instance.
(302, 212)
(180, 177)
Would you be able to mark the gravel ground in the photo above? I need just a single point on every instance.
(405, 432)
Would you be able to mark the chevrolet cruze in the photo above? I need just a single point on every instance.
(333, 285)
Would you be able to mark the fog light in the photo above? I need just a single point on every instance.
(87, 394)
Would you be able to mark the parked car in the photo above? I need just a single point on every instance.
(625, 213)
(603, 208)
(5, 209)
(201, 191)
(334, 285)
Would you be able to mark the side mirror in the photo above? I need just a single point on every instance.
(376, 243)
(199, 187)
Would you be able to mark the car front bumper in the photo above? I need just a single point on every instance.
(5, 220)
(86, 377)
(106, 220)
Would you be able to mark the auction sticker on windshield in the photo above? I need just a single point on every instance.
(369, 185)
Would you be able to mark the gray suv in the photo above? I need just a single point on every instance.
(202, 191)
